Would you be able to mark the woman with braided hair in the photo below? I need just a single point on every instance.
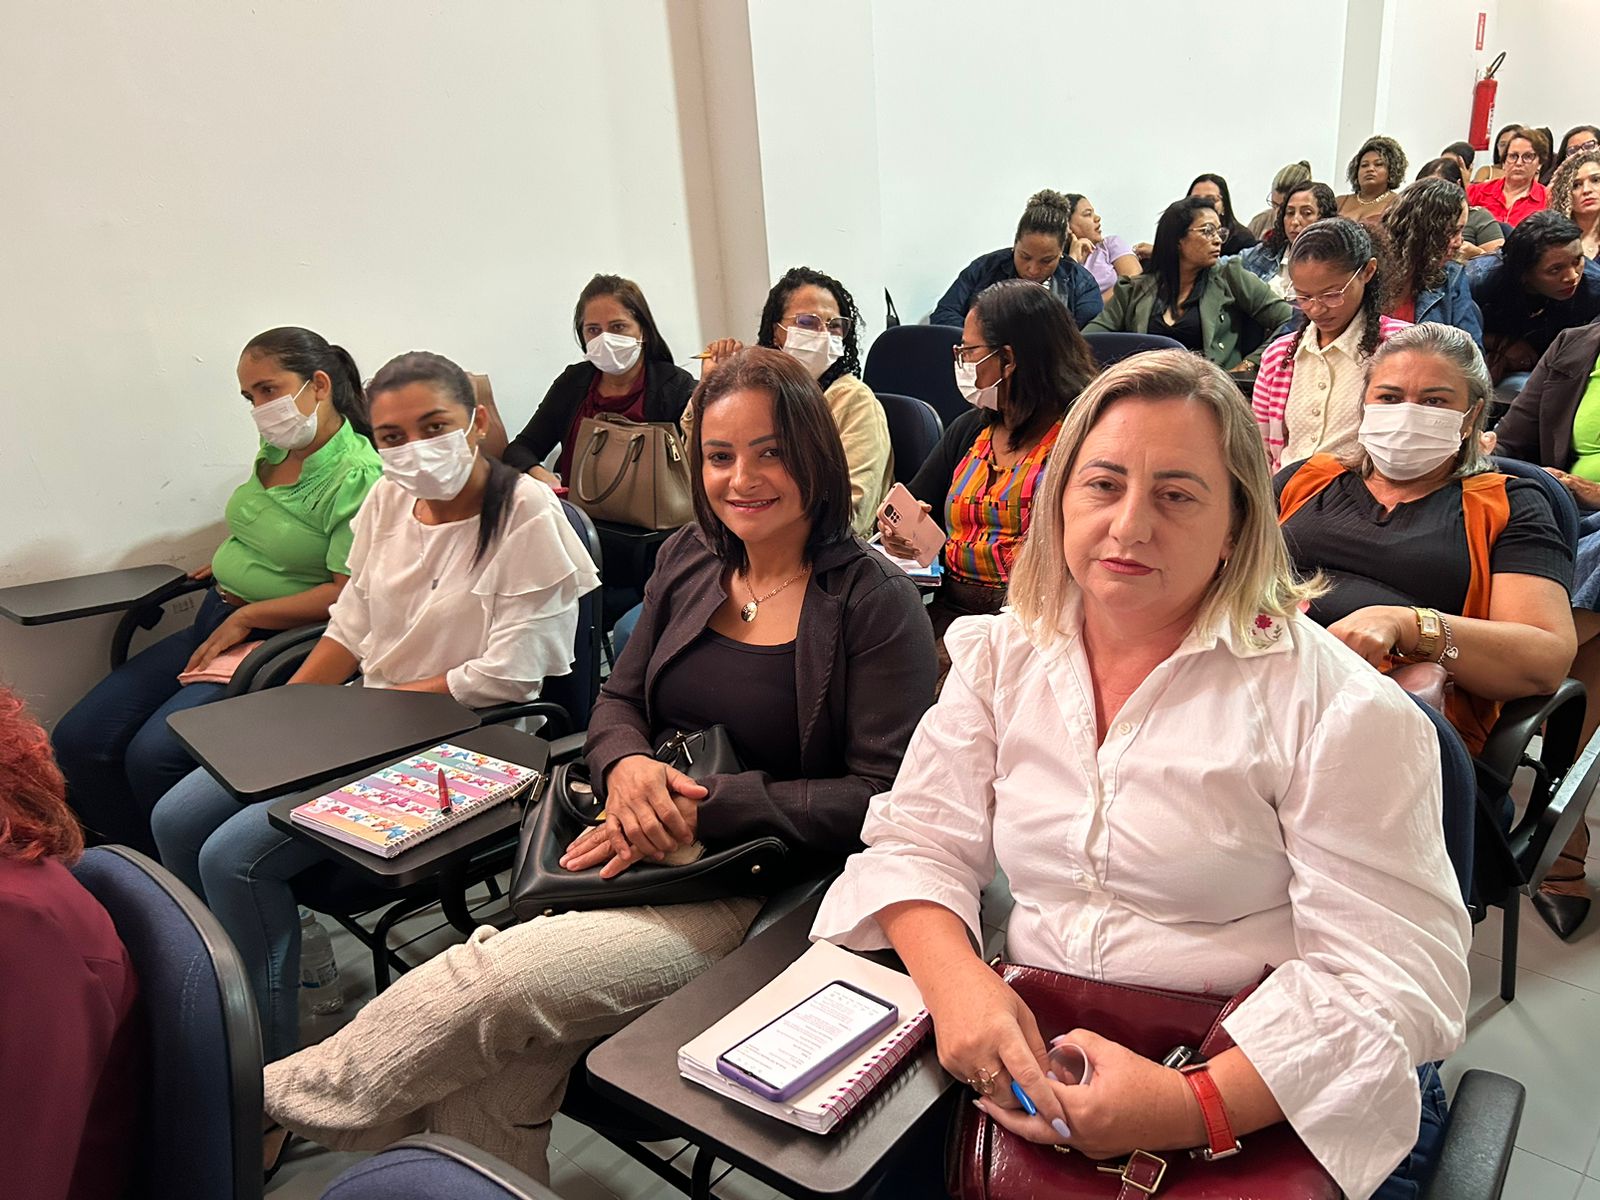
(1307, 397)
(1425, 229)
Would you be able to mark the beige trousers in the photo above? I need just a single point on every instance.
(479, 1041)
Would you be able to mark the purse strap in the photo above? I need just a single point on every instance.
(597, 441)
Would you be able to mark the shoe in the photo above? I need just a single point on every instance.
(1564, 914)
(273, 1159)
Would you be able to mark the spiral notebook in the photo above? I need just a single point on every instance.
(398, 807)
(832, 1098)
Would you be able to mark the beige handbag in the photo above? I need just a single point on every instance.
(631, 473)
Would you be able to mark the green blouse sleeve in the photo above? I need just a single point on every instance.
(363, 472)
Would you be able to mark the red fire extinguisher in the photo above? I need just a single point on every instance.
(1483, 105)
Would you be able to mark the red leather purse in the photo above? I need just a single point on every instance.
(990, 1163)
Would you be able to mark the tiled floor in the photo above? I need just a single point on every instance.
(1549, 1038)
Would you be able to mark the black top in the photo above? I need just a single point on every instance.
(749, 690)
(1239, 240)
(931, 483)
(1188, 330)
(1417, 554)
(667, 388)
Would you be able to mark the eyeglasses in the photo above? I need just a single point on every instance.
(959, 353)
(1591, 144)
(1526, 157)
(1211, 233)
(838, 326)
(1325, 299)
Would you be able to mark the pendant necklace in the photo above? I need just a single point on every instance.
(448, 559)
(749, 611)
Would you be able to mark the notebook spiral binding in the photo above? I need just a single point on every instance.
(877, 1068)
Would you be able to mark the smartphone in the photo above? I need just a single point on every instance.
(790, 1053)
(905, 516)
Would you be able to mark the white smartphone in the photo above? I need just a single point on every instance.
(790, 1053)
(905, 516)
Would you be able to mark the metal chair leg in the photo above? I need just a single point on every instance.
(1511, 908)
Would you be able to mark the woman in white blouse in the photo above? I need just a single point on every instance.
(464, 580)
(1183, 779)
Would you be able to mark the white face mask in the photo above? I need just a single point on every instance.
(283, 425)
(434, 469)
(814, 349)
(967, 383)
(1406, 441)
(613, 353)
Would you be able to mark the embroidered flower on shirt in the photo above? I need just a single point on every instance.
(1267, 630)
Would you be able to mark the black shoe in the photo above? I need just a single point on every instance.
(1564, 914)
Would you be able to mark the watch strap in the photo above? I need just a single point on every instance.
(1220, 1142)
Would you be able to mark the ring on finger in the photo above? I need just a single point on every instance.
(984, 1082)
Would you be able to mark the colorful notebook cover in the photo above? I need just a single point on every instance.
(399, 806)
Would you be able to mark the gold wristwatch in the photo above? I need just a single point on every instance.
(1429, 630)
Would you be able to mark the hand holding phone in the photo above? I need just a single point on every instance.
(907, 529)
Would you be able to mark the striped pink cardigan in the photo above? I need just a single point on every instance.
(1270, 396)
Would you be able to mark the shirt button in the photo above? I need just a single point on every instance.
(1323, 386)
(1124, 728)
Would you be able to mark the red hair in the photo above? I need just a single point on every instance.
(35, 821)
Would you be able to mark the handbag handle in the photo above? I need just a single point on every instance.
(597, 441)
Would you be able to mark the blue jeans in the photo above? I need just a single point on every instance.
(243, 868)
(114, 746)
(1411, 1176)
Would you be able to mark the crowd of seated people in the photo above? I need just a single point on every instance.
(1121, 589)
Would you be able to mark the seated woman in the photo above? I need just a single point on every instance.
(1578, 140)
(1495, 168)
(1088, 743)
(1268, 259)
(1432, 555)
(1375, 172)
(1236, 238)
(281, 566)
(1517, 193)
(814, 320)
(464, 581)
(71, 1042)
(820, 689)
(627, 369)
(1020, 364)
(1537, 285)
(1038, 254)
(1575, 194)
(1482, 233)
(1425, 229)
(1188, 296)
(1285, 181)
(1307, 398)
(1105, 256)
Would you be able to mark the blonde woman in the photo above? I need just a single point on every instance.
(1088, 741)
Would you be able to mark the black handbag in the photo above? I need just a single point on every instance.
(542, 887)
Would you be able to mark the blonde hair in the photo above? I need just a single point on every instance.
(1257, 576)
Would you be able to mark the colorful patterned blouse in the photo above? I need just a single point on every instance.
(988, 507)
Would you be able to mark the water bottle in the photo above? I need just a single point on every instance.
(319, 973)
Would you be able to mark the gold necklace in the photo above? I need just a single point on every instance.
(1375, 199)
(753, 607)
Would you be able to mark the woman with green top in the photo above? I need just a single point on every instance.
(281, 566)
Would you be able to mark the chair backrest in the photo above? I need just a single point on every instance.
(1460, 798)
(201, 1117)
(915, 360)
(1109, 348)
(576, 691)
(914, 430)
(432, 1165)
(1562, 504)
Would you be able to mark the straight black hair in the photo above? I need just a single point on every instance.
(1504, 298)
(795, 278)
(628, 294)
(1229, 221)
(1563, 152)
(1346, 245)
(1171, 229)
(303, 353)
(454, 386)
(808, 440)
(1051, 363)
(1464, 149)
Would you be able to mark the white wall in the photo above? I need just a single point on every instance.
(979, 106)
(181, 176)
(1426, 71)
(1548, 77)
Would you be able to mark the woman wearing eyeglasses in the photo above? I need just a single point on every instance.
(1575, 193)
(1021, 363)
(1307, 398)
(1518, 193)
(1426, 229)
(813, 319)
(1191, 297)
(1579, 139)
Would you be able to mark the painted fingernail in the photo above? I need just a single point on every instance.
(1052, 1077)
(1060, 1127)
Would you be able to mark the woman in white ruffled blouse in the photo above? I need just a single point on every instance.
(1184, 780)
(464, 580)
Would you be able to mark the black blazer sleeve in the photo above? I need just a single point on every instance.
(667, 388)
(931, 484)
(552, 419)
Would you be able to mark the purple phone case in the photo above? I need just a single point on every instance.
(848, 1051)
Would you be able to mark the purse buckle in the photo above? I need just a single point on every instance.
(1142, 1170)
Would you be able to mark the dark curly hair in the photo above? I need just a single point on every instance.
(1501, 293)
(1561, 182)
(1327, 206)
(793, 280)
(1420, 225)
(1347, 245)
(1394, 159)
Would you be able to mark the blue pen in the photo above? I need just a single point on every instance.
(1023, 1099)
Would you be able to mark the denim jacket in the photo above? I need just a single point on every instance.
(1452, 304)
(1262, 261)
(1072, 285)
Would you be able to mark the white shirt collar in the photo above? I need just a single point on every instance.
(1268, 634)
(1347, 343)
